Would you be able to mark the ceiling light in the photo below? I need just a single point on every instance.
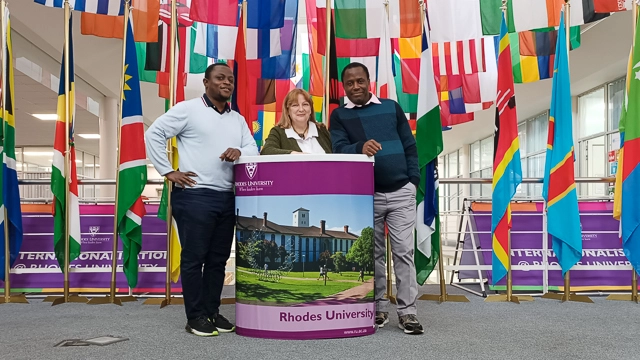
(90, 136)
(78, 161)
(46, 116)
(38, 153)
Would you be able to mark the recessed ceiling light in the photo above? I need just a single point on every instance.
(90, 136)
(46, 116)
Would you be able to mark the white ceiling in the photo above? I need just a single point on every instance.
(38, 36)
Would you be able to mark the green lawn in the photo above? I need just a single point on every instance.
(287, 291)
(313, 274)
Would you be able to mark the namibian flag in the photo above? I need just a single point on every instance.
(559, 191)
(507, 170)
(630, 217)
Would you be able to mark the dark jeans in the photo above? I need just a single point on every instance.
(205, 220)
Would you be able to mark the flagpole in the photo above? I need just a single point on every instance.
(634, 279)
(508, 297)
(111, 298)
(443, 297)
(7, 298)
(327, 67)
(168, 300)
(567, 296)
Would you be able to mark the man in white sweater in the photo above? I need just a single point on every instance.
(210, 138)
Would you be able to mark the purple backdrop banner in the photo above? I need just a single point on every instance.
(601, 247)
(96, 226)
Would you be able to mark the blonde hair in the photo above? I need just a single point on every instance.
(290, 99)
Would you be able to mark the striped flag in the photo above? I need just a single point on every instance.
(103, 7)
(132, 170)
(357, 19)
(559, 187)
(216, 41)
(405, 19)
(430, 145)
(630, 218)
(385, 84)
(507, 171)
(10, 193)
(58, 179)
(460, 57)
(145, 14)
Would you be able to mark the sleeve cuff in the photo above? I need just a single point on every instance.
(415, 181)
(359, 147)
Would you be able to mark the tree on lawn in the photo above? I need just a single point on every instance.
(361, 252)
(325, 256)
(339, 261)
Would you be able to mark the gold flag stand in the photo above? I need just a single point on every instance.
(7, 298)
(567, 295)
(66, 297)
(634, 281)
(111, 298)
(168, 299)
(327, 66)
(509, 297)
(389, 295)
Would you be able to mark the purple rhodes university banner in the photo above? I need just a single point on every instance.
(304, 264)
(601, 247)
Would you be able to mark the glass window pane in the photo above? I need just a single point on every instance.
(486, 149)
(535, 169)
(616, 99)
(475, 188)
(475, 156)
(38, 159)
(591, 112)
(522, 136)
(486, 188)
(537, 133)
(452, 166)
(593, 163)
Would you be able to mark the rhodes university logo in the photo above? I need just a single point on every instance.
(94, 230)
(251, 169)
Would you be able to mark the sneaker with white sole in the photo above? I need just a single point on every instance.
(382, 319)
(223, 325)
(410, 324)
(201, 326)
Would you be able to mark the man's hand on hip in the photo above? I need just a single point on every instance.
(230, 155)
(371, 147)
(183, 179)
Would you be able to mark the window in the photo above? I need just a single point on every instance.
(449, 167)
(481, 166)
(616, 91)
(533, 134)
(592, 113)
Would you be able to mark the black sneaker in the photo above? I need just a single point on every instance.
(223, 325)
(201, 326)
(410, 324)
(382, 318)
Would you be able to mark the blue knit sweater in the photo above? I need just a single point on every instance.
(397, 163)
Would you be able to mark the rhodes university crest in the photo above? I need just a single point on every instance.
(251, 169)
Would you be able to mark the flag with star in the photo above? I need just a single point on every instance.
(132, 165)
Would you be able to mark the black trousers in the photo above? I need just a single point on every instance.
(205, 220)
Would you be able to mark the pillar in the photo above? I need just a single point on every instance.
(108, 124)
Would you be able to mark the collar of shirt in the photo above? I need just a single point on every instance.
(374, 100)
(313, 132)
(208, 103)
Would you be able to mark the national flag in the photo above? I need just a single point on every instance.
(284, 65)
(144, 75)
(336, 91)
(215, 12)
(405, 19)
(176, 248)
(409, 51)
(630, 218)
(132, 170)
(317, 14)
(617, 192)
(10, 193)
(145, 15)
(104, 7)
(408, 102)
(507, 170)
(216, 41)
(385, 84)
(265, 14)
(473, 19)
(460, 57)
(358, 19)
(559, 187)
(263, 43)
(245, 88)
(430, 145)
(58, 174)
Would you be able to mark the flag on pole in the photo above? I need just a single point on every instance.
(10, 193)
(507, 170)
(430, 145)
(176, 248)
(132, 169)
(104, 7)
(215, 12)
(559, 188)
(385, 84)
(145, 15)
(58, 174)
(630, 218)
(617, 192)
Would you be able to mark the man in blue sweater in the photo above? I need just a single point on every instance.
(210, 138)
(378, 127)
